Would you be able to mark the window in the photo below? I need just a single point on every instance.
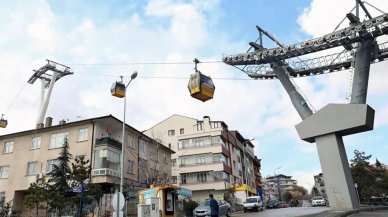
(164, 158)
(199, 126)
(8, 147)
(215, 125)
(107, 159)
(200, 159)
(174, 180)
(182, 131)
(82, 134)
(201, 177)
(142, 149)
(35, 142)
(2, 197)
(171, 132)
(130, 142)
(183, 178)
(4, 170)
(58, 140)
(173, 162)
(32, 168)
(154, 154)
(50, 165)
(130, 166)
(169, 145)
(183, 161)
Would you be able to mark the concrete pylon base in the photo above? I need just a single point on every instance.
(326, 127)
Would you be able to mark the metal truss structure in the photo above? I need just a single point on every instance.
(257, 63)
(43, 74)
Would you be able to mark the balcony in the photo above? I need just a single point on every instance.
(105, 172)
(107, 141)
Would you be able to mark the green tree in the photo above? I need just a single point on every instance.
(371, 180)
(81, 169)
(287, 196)
(60, 179)
(36, 197)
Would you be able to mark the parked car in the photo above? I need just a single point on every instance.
(318, 201)
(203, 208)
(253, 203)
(282, 204)
(272, 204)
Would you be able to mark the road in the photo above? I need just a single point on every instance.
(283, 212)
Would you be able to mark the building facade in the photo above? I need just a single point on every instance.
(279, 184)
(208, 157)
(28, 155)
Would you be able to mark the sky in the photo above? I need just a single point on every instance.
(102, 40)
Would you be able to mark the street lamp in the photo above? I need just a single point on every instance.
(133, 76)
(277, 181)
(246, 164)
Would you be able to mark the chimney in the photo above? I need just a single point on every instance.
(39, 126)
(61, 122)
(49, 122)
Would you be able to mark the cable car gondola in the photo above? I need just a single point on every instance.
(201, 86)
(3, 122)
(118, 89)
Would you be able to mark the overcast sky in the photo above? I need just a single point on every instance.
(101, 40)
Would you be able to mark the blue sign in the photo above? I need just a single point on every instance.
(185, 192)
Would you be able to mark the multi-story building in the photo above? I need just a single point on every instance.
(30, 154)
(208, 157)
(278, 184)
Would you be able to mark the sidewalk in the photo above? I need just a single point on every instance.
(377, 211)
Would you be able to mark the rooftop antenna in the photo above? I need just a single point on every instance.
(47, 82)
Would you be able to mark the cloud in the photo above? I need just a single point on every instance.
(305, 179)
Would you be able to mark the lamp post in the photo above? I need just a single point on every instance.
(133, 76)
(246, 164)
(277, 181)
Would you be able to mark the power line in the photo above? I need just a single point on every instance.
(164, 77)
(17, 95)
(140, 63)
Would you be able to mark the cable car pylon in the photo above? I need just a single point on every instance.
(47, 81)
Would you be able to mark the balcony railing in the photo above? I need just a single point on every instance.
(109, 142)
(105, 172)
(200, 163)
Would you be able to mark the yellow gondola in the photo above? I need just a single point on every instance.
(118, 89)
(201, 86)
(3, 122)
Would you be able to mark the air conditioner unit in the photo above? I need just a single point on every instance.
(39, 176)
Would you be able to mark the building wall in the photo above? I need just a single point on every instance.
(204, 128)
(98, 130)
(22, 154)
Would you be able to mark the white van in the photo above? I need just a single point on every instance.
(253, 203)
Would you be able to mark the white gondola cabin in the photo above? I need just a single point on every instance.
(201, 86)
(118, 89)
(3, 122)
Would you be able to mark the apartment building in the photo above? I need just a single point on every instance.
(208, 157)
(278, 184)
(28, 154)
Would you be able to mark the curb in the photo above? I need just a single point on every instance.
(348, 213)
